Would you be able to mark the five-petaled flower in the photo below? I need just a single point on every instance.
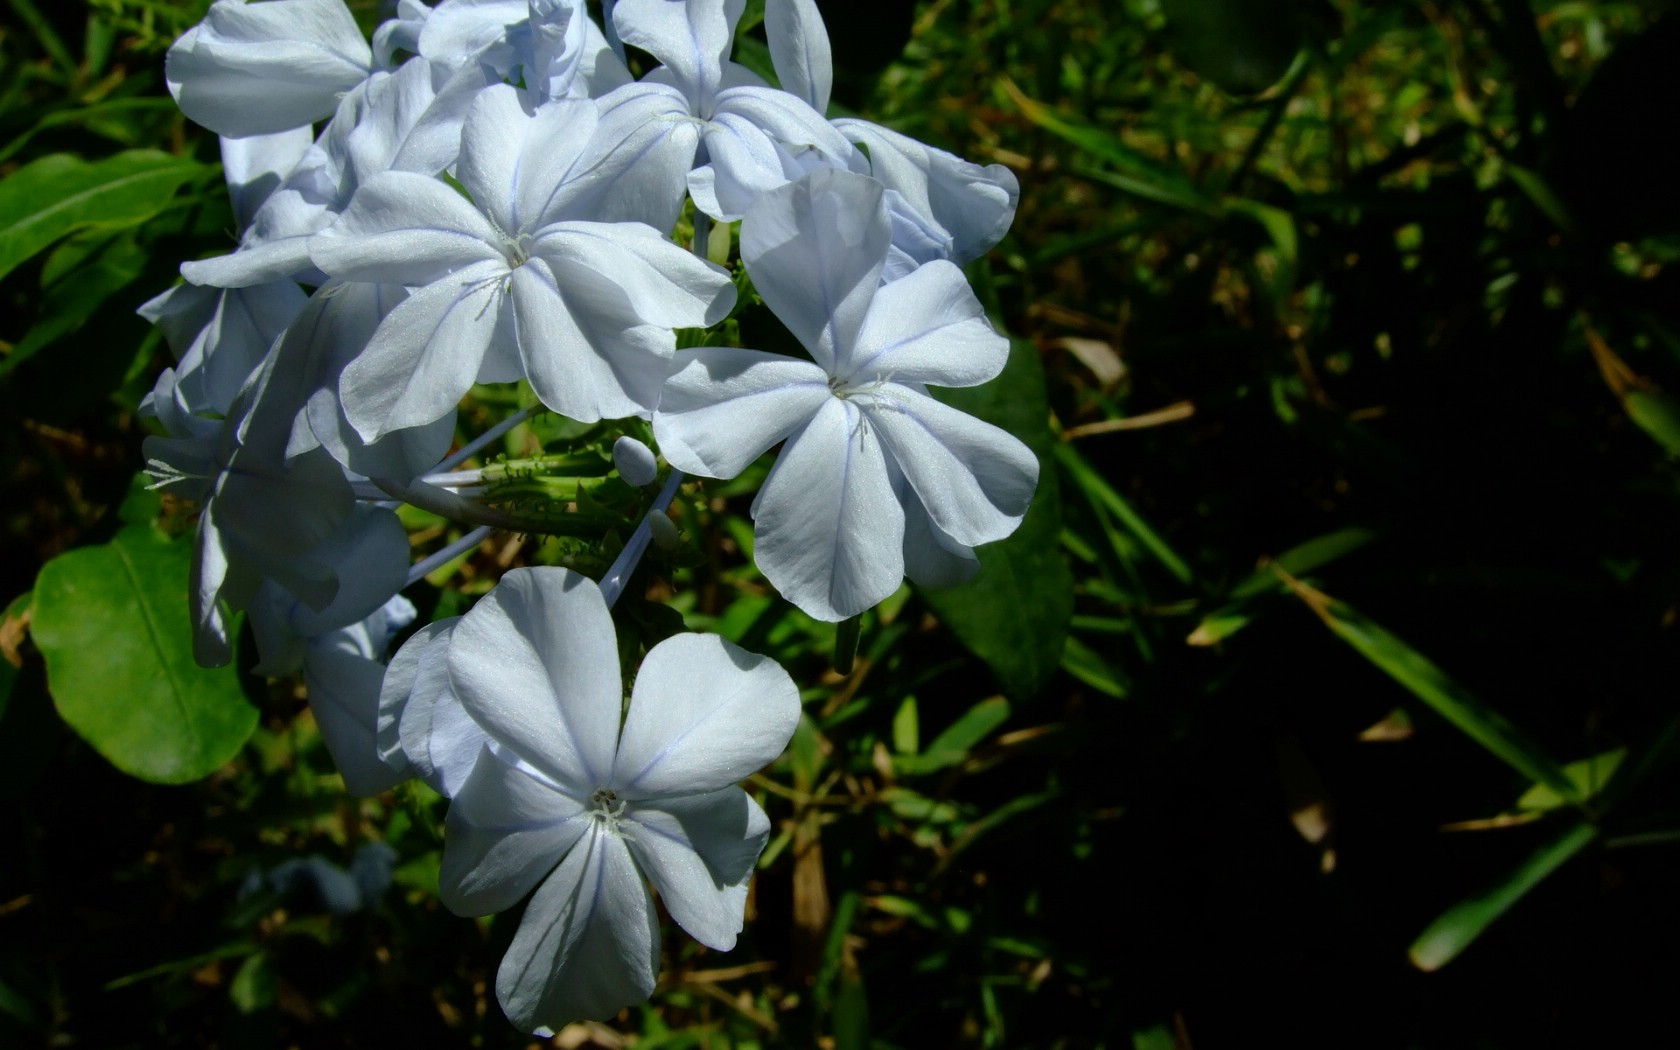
(561, 797)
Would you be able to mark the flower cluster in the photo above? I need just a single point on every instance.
(485, 193)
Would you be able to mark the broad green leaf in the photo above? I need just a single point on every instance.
(1451, 701)
(1014, 614)
(1244, 46)
(1461, 924)
(1589, 775)
(59, 194)
(113, 624)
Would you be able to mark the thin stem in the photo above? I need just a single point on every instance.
(470, 449)
(451, 505)
(702, 233)
(432, 562)
(612, 584)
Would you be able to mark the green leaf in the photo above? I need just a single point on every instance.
(1589, 775)
(1461, 924)
(1014, 614)
(1299, 560)
(57, 195)
(1135, 172)
(1103, 495)
(959, 738)
(1451, 701)
(113, 624)
(1081, 661)
(71, 299)
(1657, 414)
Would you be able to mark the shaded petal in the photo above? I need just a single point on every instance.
(723, 407)
(255, 167)
(425, 354)
(281, 259)
(344, 680)
(829, 534)
(928, 328)
(536, 664)
(404, 228)
(704, 714)
(976, 480)
(588, 944)
(699, 853)
(402, 676)
(931, 558)
(814, 249)
(506, 830)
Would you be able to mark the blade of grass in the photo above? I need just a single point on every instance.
(1424, 680)
(1458, 926)
(1101, 494)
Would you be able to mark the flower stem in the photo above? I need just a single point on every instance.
(612, 584)
(430, 564)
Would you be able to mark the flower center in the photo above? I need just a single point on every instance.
(609, 811)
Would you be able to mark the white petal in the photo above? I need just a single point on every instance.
(595, 363)
(506, 830)
(661, 283)
(255, 69)
(975, 480)
(536, 664)
(454, 33)
(829, 533)
(281, 259)
(403, 228)
(973, 204)
(371, 554)
(814, 249)
(638, 159)
(693, 39)
(588, 944)
(723, 407)
(928, 328)
(800, 51)
(425, 354)
(699, 853)
(704, 714)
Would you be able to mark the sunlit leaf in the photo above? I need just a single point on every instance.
(57, 195)
(112, 622)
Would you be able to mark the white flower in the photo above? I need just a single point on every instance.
(519, 281)
(563, 801)
(703, 121)
(877, 479)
